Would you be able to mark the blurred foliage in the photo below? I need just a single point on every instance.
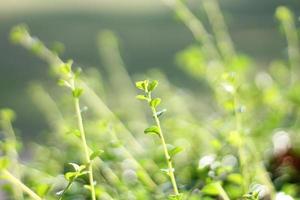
(236, 141)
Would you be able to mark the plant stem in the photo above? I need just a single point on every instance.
(240, 147)
(219, 27)
(12, 153)
(85, 146)
(167, 155)
(18, 183)
(223, 194)
(196, 27)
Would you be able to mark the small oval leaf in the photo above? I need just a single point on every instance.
(141, 97)
(77, 92)
(175, 151)
(96, 154)
(155, 102)
(152, 85)
(152, 130)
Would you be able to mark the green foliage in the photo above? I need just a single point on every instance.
(234, 135)
(152, 130)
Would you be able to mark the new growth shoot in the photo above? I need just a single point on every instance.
(148, 87)
(68, 79)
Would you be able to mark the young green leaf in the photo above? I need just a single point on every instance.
(65, 68)
(70, 176)
(152, 130)
(75, 132)
(77, 92)
(155, 102)
(152, 85)
(141, 97)
(3, 163)
(62, 82)
(142, 85)
(96, 154)
(175, 151)
(210, 189)
(175, 197)
(235, 178)
(7, 114)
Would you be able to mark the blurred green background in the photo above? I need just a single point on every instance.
(149, 33)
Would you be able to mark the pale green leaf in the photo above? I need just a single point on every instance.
(152, 130)
(152, 85)
(175, 151)
(155, 102)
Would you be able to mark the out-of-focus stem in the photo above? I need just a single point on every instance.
(13, 154)
(84, 143)
(11, 178)
(287, 21)
(195, 26)
(222, 192)
(219, 27)
(166, 152)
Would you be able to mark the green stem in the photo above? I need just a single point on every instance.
(13, 155)
(65, 190)
(85, 146)
(240, 147)
(222, 192)
(166, 152)
(11, 178)
(195, 26)
(290, 31)
(219, 27)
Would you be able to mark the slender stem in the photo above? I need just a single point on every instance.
(196, 27)
(65, 190)
(290, 31)
(18, 183)
(85, 146)
(222, 192)
(166, 152)
(168, 157)
(12, 153)
(219, 27)
(240, 148)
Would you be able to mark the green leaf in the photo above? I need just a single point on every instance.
(175, 197)
(210, 189)
(141, 97)
(42, 189)
(70, 176)
(155, 102)
(235, 178)
(75, 132)
(283, 13)
(18, 33)
(77, 92)
(3, 163)
(152, 130)
(65, 68)
(152, 85)
(7, 114)
(96, 154)
(175, 151)
(142, 85)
